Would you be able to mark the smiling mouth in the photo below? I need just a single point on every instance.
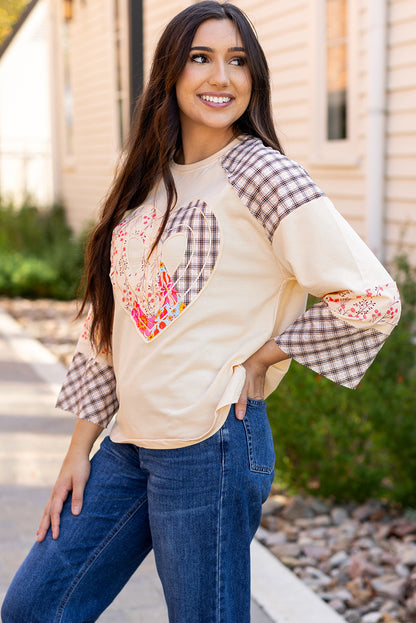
(215, 99)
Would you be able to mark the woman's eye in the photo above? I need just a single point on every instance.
(239, 61)
(199, 58)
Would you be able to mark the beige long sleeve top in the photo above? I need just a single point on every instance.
(250, 236)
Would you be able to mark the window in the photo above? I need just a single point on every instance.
(333, 82)
(336, 28)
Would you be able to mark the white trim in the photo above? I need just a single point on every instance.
(322, 151)
(376, 117)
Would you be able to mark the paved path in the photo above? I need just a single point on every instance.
(33, 439)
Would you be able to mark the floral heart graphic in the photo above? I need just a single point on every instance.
(155, 290)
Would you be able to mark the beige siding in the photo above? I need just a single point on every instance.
(156, 15)
(400, 184)
(88, 171)
(290, 40)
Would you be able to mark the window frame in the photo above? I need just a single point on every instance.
(342, 152)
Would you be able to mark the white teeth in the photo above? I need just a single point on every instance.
(215, 99)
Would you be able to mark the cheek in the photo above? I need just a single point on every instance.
(245, 87)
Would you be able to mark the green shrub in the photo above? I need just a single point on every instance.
(354, 444)
(39, 254)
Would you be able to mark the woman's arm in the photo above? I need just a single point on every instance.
(73, 477)
(256, 367)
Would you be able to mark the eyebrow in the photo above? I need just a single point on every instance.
(205, 48)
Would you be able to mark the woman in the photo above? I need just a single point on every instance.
(212, 239)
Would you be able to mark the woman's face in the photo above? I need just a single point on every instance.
(214, 88)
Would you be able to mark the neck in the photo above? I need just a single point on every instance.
(199, 145)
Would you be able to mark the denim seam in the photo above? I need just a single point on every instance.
(97, 552)
(254, 467)
(220, 513)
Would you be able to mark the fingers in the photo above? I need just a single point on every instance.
(56, 508)
(77, 497)
(241, 404)
(45, 522)
(51, 516)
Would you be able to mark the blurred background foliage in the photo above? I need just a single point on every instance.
(40, 256)
(354, 444)
(10, 11)
(330, 441)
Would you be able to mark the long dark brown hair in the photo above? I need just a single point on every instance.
(154, 139)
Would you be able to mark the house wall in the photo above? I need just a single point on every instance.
(89, 156)
(291, 35)
(25, 113)
(400, 184)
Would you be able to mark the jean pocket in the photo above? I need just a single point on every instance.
(259, 437)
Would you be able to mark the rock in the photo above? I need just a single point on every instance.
(402, 528)
(408, 555)
(338, 515)
(367, 510)
(297, 508)
(286, 549)
(375, 555)
(372, 617)
(402, 570)
(269, 522)
(304, 522)
(275, 538)
(318, 506)
(389, 606)
(411, 604)
(338, 605)
(352, 617)
(365, 543)
(262, 534)
(315, 578)
(338, 559)
(289, 561)
(322, 520)
(316, 551)
(360, 593)
(274, 504)
(359, 566)
(343, 595)
(389, 586)
(318, 533)
(291, 532)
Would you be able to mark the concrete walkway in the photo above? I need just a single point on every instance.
(34, 437)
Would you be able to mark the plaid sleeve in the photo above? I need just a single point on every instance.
(89, 390)
(331, 346)
(339, 336)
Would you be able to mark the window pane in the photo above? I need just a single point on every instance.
(336, 69)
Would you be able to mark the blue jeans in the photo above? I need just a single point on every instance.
(198, 507)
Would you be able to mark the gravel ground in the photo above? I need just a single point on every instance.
(359, 558)
(53, 323)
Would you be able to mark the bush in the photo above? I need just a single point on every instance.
(346, 444)
(39, 254)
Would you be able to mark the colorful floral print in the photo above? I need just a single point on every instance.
(152, 296)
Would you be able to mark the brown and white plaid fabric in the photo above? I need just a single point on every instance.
(89, 390)
(268, 183)
(330, 346)
(199, 225)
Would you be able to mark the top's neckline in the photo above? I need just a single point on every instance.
(185, 168)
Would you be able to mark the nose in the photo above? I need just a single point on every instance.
(219, 75)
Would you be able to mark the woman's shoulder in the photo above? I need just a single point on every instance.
(266, 180)
(251, 151)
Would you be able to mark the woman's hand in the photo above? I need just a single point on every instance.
(256, 367)
(73, 476)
